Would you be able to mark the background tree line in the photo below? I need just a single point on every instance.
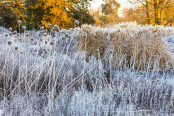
(160, 12)
(36, 13)
(155, 12)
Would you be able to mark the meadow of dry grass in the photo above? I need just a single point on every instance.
(120, 70)
(140, 45)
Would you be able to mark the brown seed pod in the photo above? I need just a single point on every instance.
(24, 28)
(19, 22)
(63, 38)
(52, 43)
(76, 22)
(49, 25)
(66, 34)
(10, 29)
(10, 33)
(16, 48)
(9, 43)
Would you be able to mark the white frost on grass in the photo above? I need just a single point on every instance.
(40, 79)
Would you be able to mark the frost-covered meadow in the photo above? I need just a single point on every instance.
(121, 70)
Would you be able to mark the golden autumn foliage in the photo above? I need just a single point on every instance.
(38, 13)
(10, 12)
(56, 12)
(151, 12)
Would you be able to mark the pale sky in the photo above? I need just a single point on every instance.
(124, 3)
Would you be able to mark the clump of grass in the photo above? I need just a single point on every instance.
(141, 45)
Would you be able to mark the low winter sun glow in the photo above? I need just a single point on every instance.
(124, 3)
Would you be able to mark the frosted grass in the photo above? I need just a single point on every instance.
(62, 79)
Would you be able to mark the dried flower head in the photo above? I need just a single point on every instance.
(56, 28)
(19, 22)
(49, 25)
(41, 28)
(44, 34)
(10, 29)
(10, 33)
(76, 22)
(110, 51)
(85, 35)
(24, 28)
(66, 34)
(14, 32)
(52, 43)
(9, 43)
(16, 48)
(63, 38)
(86, 30)
(27, 35)
(20, 40)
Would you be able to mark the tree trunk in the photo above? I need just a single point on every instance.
(156, 11)
(147, 12)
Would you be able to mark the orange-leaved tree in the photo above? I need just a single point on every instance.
(58, 12)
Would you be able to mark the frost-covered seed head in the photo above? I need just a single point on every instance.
(69, 36)
(19, 22)
(110, 51)
(52, 43)
(63, 38)
(76, 22)
(24, 28)
(10, 29)
(66, 34)
(86, 30)
(16, 48)
(46, 42)
(27, 34)
(9, 43)
(10, 33)
(40, 39)
(45, 31)
(49, 25)
(31, 39)
(6, 35)
(14, 32)
(41, 28)
(56, 28)
(85, 36)
(44, 34)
